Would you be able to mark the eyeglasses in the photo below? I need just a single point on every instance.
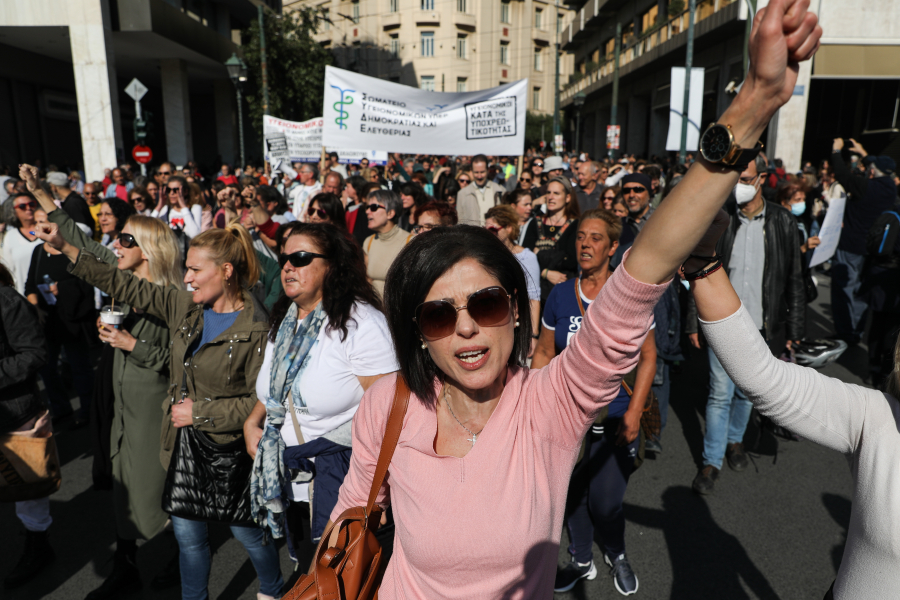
(164, 172)
(638, 189)
(464, 180)
(489, 307)
(316, 211)
(126, 240)
(493, 229)
(298, 259)
(92, 193)
(610, 198)
(525, 180)
(173, 190)
(27, 206)
(424, 227)
(537, 164)
(373, 208)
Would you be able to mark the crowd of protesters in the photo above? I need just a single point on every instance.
(259, 305)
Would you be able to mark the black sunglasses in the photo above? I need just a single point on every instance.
(489, 307)
(298, 259)
(537, 164)
(373, 208)
(173, 190)
(316, 211)
(634, 190)
(164, 172)
(126, 240)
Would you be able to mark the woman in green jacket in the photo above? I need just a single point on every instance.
(140, 379)
(218, 335)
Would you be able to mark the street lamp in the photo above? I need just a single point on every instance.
(237, 71)
(578, 101)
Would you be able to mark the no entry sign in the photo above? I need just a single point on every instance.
(142, 154)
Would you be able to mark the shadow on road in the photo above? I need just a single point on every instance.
(690, 388)
(707, 561)
(839, 509)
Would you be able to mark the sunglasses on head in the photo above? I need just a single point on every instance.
(373, 208)
(638, 189)
(126, 240)
(27, 205)
(317, 211)
(489, 307)
(298, 259)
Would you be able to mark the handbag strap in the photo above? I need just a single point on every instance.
(391, 436)
(299, 433)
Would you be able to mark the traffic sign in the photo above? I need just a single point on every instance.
(136, 90)
(142, 154)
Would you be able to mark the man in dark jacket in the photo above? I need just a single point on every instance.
(760, 250)
(868, 197)
(22, 353)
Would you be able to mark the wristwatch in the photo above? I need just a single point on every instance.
(717, 146)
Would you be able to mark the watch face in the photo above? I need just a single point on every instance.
(715, 143)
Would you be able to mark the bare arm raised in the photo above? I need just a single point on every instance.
(784, 34)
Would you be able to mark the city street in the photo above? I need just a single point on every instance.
(776, 530)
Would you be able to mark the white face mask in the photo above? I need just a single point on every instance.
(744, 193)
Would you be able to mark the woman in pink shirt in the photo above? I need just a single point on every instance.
(479, 477)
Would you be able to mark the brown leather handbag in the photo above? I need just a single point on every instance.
(351, 569)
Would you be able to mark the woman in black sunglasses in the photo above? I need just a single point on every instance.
(327, 208)
(329, 320)
(487, 445)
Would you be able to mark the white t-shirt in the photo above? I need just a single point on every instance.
(329, 385)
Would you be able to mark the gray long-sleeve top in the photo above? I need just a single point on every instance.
(857, 421)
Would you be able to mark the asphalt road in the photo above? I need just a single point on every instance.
(775, 531)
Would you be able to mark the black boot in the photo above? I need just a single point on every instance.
(36, 555)
(124, 578)
(170, 576)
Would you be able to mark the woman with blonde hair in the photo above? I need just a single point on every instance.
(218, 332)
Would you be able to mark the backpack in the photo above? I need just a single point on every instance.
(882, 237)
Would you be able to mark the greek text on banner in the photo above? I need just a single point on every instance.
(373, 114)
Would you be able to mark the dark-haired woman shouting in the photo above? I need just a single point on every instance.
(329, 342)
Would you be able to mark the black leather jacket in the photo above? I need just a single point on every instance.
(22, 353)
(784, 301)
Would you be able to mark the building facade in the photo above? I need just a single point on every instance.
(850, 89)
(447, 45)
(67, 63)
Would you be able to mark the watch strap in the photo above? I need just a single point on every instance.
(743, 157)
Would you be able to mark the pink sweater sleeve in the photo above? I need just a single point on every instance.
(368, 431)
(585, 377)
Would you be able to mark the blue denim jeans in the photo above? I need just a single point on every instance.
(193, 544)
(727, 414)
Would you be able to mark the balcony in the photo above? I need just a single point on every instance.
(658, 40)
(541, 36)
(390, 20)
(427, 17)
(464, 21)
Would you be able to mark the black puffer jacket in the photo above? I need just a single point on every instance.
(784, 300)
(22, 353)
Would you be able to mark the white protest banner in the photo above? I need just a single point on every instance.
(373, 114)
(830, 233)
(676, 104)
(302, 142)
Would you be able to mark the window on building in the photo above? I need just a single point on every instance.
(504, 53)
(461, 83)
(395, 6)
(427, 83)
(539, 18)
(504, 12)
(610, 47)
(395, 45)
(461, 6)
(326, 19)
(648, 19)
(536, 99)
(427, 43)
(559, 22)
(462, 43)
(538, 62)
(427, 4)
(627, 34)
(354, 8)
